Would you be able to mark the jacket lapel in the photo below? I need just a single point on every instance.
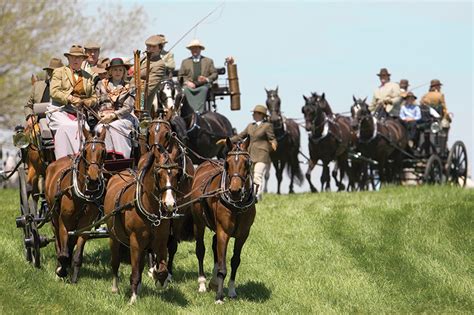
(85, 81)
(69, 75)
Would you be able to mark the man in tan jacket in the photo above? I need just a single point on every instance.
(262, 142)
(40, 90)
(71, 87)
(197, 74)
(386, 95)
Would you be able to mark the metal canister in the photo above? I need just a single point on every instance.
(233, 86)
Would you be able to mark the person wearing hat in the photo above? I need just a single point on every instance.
(168, 57)
(154, 46)
(387, 95)
(435, 99)
(197, 74)
(116, 104)
(40, 90)
(100, 69)
(262, 142)
(410, 114)
(92, 51)
(70, 87)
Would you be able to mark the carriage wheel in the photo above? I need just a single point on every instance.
(456, 165)
(24, 210)
(35, 245)
(433, 170)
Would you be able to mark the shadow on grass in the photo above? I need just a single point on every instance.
(253, 291)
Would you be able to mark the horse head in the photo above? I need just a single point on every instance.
(159, 133)
(166, 172)
(273, 104)
(93, 155)
(313, 111)
(237, 167)
(359, 109)
(168, 99)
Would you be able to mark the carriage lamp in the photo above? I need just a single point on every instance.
(435, 127)
(143, 125)
(20, 139)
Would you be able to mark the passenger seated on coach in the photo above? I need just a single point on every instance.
(410, 114)
(116, 103)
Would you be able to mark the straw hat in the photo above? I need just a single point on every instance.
(195, 43)
(53, 64)
(260, 109)
(383, 71)
(76, 50)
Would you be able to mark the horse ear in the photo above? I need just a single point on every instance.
(305, 98)
(228, 143)
(276, 90)
(323, 96)
(245, 144)
(102, 134)
(266, 90)
(86, 132)
(354, 98)
(365, 99)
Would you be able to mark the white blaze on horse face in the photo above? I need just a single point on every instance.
(169, 199)
(169, 97)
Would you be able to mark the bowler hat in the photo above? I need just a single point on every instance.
(76, 50)
(435, 82)
(53, 64)
(383, 71)
(118, 62)
(260, 109)
(195, 43)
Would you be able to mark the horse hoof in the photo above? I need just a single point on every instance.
(202, 284)
(133, 299)
(232, 294)
(161, 285)
(219, 302)
(61, 272)
(115, 290)
(212, 285)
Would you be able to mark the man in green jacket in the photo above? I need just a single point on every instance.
(197, 74)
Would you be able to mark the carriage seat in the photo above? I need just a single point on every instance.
(216, 90)
(47, 136)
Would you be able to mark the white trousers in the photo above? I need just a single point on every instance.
(67, 136)
(116, 140)
(259, 171)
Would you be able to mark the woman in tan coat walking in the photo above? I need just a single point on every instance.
(262, 142)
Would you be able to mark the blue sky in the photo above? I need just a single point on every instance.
(332, 47)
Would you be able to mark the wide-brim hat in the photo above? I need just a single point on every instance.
(53, 64)
(435, 82)
(101, 66)
(383, 71)
(262, 109)
(195, 43)
(410, 94)
(117, 62)
(76, 50)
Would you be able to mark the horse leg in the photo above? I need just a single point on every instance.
(291, 162)
(222, 242)
(325, 178)
(172, 249)
(160, 247)
(267, 177)
(234, 263)
(311, 165)
(334, 175)
(213, 282)
(63, 254)
(200, 252)
(279, 174)
(115, 253)
(136, 259)
(77, 258)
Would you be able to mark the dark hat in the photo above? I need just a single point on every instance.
(383, 71)
(76, 50)
(410, 94)
(155, 40)
(404, 81)
(101, 66)
(92, 45)
(53, 64)
(118, 62)
(435, 82)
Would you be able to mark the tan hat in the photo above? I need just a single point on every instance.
(410, 94)
(76, 50)
(164, 38)
(195, 43)
(383, 71)
(155, 40)
(260, 109)
(53, 64)
(101, 66)
(92, 45)
(435, 82)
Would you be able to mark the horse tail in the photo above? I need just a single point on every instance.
(187, 229)
(293, 167)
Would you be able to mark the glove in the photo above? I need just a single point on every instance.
(89, 102)
(221, 141)
(274, 146)
(108, 118)
(387, 101)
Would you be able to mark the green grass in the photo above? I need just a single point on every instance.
(398, 250)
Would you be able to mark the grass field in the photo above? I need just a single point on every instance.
(398, 250)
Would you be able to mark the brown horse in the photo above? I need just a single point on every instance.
(329, 140)
(74, 191)
(380, 140)
(288, 137)
(226, 206)
(140, 208)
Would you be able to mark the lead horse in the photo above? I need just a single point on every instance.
(225, 204)
(288, 137)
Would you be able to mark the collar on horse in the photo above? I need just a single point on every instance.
(374, 133)
(326, 124)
